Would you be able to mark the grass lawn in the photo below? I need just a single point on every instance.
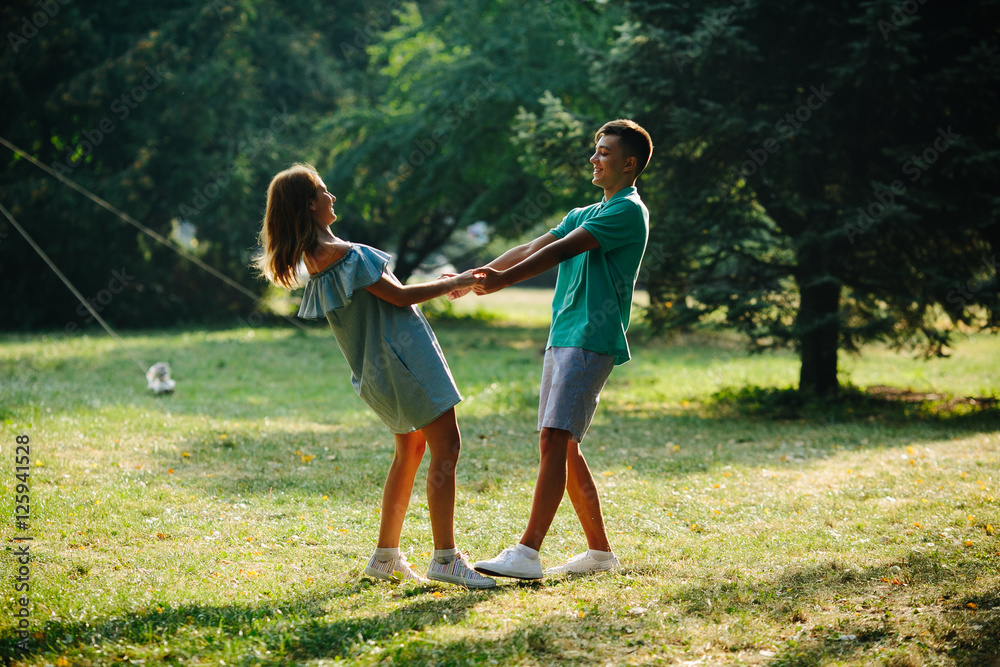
(229, 524)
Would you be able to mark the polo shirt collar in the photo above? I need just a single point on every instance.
(621, 194)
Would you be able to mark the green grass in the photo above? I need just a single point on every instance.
(229, 523)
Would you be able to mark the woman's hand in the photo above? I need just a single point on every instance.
(464, 282)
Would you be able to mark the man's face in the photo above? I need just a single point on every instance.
(609, 162)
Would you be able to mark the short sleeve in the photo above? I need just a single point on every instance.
(620, 223)
(567, 225)
(333, 287)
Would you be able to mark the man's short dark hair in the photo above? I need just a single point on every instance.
(634, 139)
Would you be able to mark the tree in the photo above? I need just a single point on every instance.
(426, 148)
(823, 173)
(177, 113)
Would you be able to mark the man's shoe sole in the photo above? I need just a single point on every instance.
(496, 573)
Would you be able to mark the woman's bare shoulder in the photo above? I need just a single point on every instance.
(325, 254)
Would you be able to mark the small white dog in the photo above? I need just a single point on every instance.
(158, 378)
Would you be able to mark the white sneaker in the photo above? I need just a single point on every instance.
(394, 569)
(585, 564)
(511, 563)
(458, 571)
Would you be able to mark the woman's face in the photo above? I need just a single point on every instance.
(321, 206)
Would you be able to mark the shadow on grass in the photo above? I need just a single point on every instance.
(265, 634)
(890, 404)
(349, 461)
(871, 612)
(303, 630)
(239, 374)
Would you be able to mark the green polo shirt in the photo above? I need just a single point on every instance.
(593, 298)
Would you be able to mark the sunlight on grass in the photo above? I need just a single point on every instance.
(229, 523)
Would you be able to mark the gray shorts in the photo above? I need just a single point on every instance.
(572, 380)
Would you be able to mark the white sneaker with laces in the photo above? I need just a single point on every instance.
(394, 569)
(511, 563)
(585, 564)
(458, 571)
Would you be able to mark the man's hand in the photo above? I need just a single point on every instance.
(466, 281)
(458, 293)
(492, 281)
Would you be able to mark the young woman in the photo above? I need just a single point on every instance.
(397, 366)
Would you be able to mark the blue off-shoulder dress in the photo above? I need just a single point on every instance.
(397, 366)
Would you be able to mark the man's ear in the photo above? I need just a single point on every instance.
(631, 163)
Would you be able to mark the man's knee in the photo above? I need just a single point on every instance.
(553, 442)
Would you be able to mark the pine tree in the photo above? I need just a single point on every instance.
(824, 173)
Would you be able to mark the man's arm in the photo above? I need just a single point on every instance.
(522, 252)
(510, 258)
(538, 261)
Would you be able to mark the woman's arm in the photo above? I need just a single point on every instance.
(397, 294)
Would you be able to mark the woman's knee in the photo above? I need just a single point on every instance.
(410, 447)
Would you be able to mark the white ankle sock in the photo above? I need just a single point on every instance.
(445, 555)
(386, 553)
(527, 552)
(600, 556)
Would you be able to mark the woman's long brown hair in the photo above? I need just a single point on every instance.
(288, 229)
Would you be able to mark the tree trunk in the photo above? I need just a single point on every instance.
(818, 328)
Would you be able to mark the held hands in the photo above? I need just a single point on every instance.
(463, 282)
(472, 280)
(491, 281)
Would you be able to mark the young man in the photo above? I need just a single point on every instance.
(598, 249)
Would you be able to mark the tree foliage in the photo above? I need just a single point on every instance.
(430, 147)
(824, 173)
(176, 113)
